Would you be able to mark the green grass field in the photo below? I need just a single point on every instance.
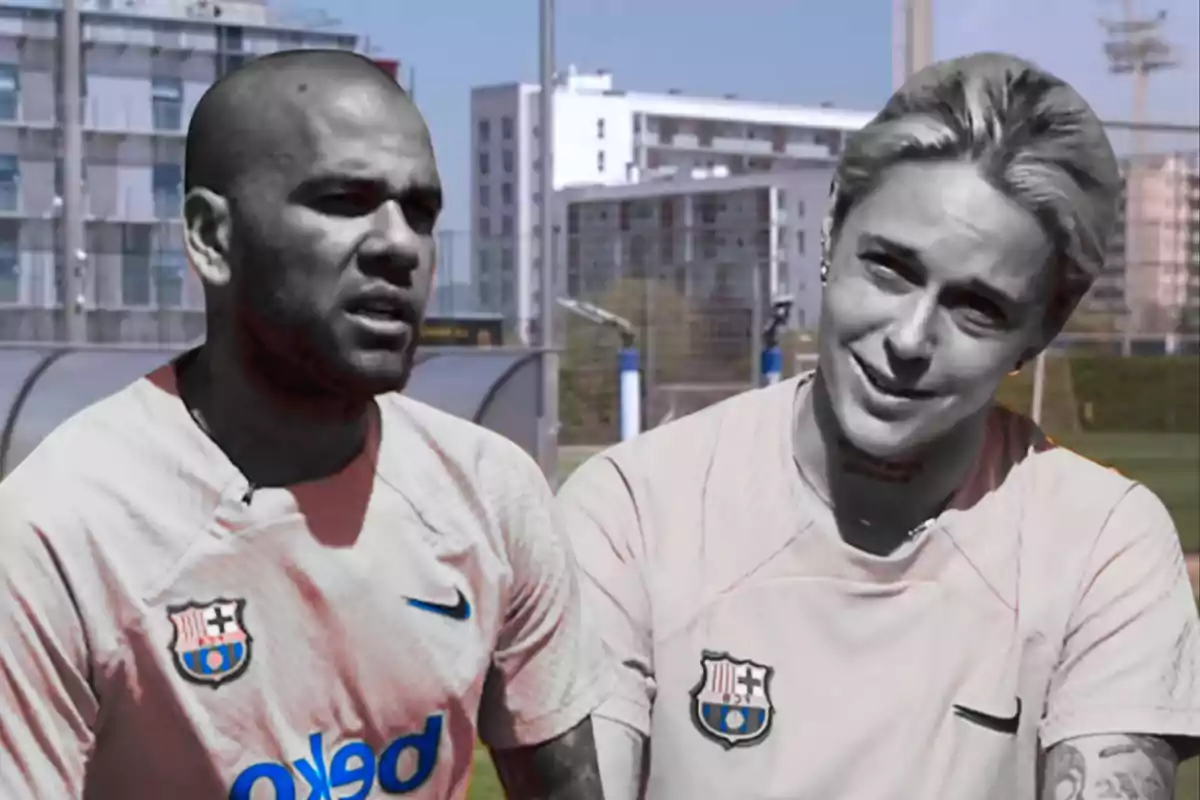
(1169, 464)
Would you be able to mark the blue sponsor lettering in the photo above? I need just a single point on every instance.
(353, 767)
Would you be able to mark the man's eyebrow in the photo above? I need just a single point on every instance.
(912, 257)
(997, 296)
(901, 252)
(429, 189)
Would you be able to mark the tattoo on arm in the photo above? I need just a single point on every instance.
(560, 769)
(1118, 766)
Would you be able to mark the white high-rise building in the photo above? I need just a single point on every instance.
(605, 137)
(143, 67)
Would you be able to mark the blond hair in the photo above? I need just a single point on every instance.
(1032, 136)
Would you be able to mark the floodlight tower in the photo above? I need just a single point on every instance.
(1136, 47)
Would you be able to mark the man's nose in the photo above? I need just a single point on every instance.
(391, 238)
(913, 336)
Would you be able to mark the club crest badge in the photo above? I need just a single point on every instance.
(211, 645)
(732, 702)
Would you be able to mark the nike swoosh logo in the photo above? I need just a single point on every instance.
(459, 611)
(1008, 725)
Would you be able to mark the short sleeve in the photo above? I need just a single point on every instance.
(602, 521)
(47, 706)
(548, 672)
(1131, 654)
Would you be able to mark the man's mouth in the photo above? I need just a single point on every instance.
(385, 316)
(888, 385)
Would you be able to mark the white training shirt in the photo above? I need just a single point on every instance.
(766, 658)
(161, 637)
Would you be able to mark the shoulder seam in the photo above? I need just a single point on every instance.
(1077, 594)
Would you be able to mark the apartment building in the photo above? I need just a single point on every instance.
(709, 238)
(1152, 274)
(607, 137)
(145, 64)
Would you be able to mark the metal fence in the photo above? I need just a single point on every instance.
(696, 288)
(696, 323)
(697, 294)
(689, 293)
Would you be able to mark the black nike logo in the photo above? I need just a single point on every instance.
(459, 611)
(1008, 725)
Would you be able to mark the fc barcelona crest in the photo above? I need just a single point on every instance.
(732, 702)
(211, 645)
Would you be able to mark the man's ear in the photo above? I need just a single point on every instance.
(208, 230)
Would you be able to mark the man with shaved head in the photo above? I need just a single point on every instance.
(259, 572)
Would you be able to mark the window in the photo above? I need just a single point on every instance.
(169, 266)
(485, 130)
(167, 101)
(230, 44)
(10, 261)
(600, 161)
(485, 165)
(506, 193)
(168, 191)
(230, 38)
(485, 196)
(507, 160)
(506, 128)
(10, 183)
(599, 129)
(135, 265)
(10, 92)
(800, 208)
(800, 242)
(506, 225)
(485, 227)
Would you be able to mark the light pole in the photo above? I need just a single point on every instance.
(548, 452)
(628, 363)
(912, 38)
(73, 254)
(772, 353)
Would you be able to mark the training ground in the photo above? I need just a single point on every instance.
(1167, 463)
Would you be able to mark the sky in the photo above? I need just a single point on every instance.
(790, 51)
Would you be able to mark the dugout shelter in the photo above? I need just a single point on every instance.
(42, 385)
